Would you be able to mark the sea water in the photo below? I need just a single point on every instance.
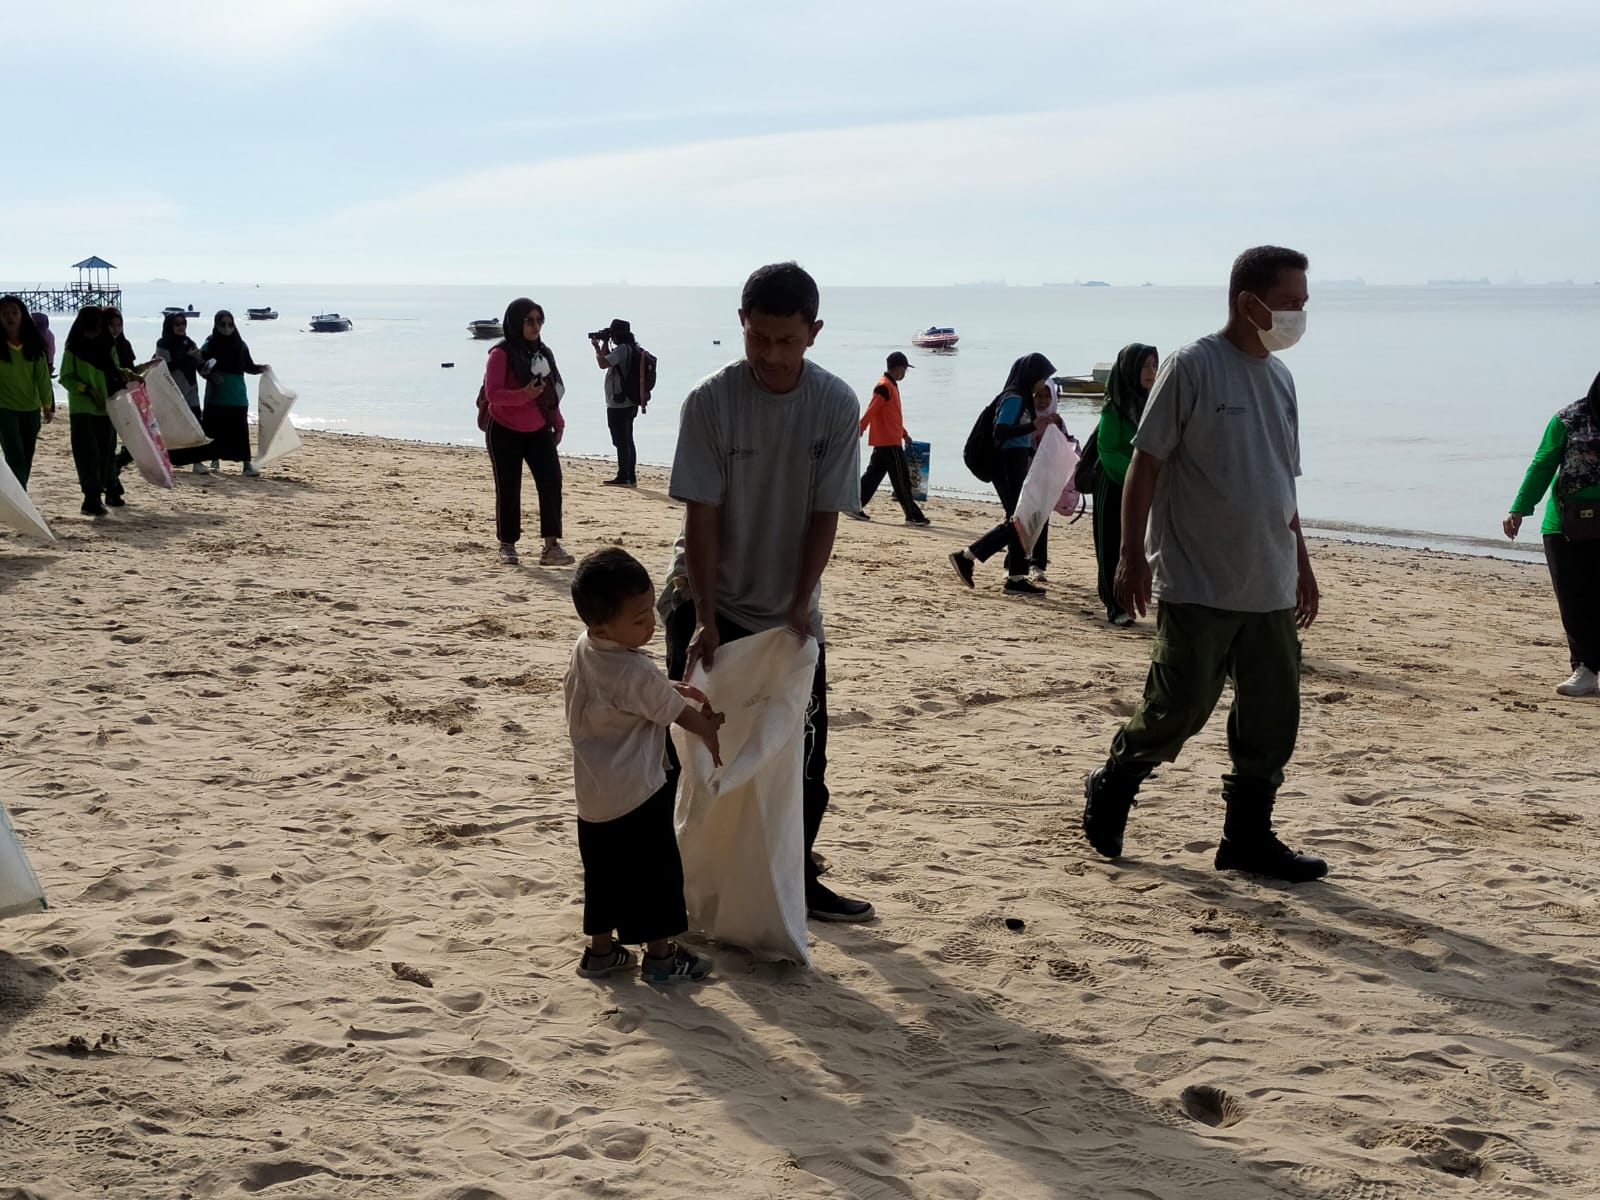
(1419, 407)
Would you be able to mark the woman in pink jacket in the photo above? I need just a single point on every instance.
(523, 388)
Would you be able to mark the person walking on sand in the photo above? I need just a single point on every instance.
(177, 349)
(1212, 478)
(616, 352)
(26, 398)
(1569, 457)
(767, 459)
(227, 403)
(523, 387)
(41, 322)
(1028, 391)
(885, 427)
(619, 705)
(90, 376)
(1127, 389)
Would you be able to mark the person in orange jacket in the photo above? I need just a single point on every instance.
(886, 434)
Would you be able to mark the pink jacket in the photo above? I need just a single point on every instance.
(509, 405)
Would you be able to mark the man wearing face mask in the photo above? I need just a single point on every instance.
(1211, 525)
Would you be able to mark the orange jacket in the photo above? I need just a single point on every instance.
(882, 422)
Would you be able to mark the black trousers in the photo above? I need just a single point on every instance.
(508, 450)
(19, 434)
(814, 784)
(1575, 574)
(890, 461)
(632, 875)
(94, 453)
(620, 422)
(1108, 539)
(1013, 469)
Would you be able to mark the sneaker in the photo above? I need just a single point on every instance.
(1026, 587)
(1038, 576)
(92, 507)
(201, 469)
(598, 966)
(1582, 682)
(857, 514)
(1270, 857)
(508, 554)
(679, 966)
(1122, 620)
(216, 466)
(115, 501)
(919, 522)
(555, 556)
(963, 566)
(824, 904)
(252, 470)
(1105, 817)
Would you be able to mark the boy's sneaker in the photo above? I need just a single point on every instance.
(1038, 576)
(598, 966)
(679, 966)
(963, 566)
(1582, 682)
(508, 554)
(555, 556)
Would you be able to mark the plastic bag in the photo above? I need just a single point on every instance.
(741, 830)
(174, 417)
(135, 424)
(19, 886)
(1049, 474)
(17, 508)
(277, 436)
(918, 455)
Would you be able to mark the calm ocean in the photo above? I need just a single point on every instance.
(1420, 407)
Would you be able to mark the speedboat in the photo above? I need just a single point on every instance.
(485, 329)
(173, 310)
(935, 337)
(261, 314)
(331, 323)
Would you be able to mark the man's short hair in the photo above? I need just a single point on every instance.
(605, 581)
(781, 290)
(1257, 269)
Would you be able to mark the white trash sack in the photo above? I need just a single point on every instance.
(135, 424)
(741, 827)
(19, 886)
(173, 415)
(277, 436)
(17, 509)
(1053, 464)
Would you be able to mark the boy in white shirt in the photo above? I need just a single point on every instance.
(619, 704)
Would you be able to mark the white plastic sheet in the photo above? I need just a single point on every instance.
(277, 436)
(130, 413)
(17, 510)
(1053, 464)
(741, 828)
(19, 886)
(174, 417)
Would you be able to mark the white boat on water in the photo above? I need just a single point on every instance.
(485, 329)
(935, 337)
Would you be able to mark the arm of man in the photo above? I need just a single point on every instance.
(1132, 583)
(702, 543)
(816, 548)
(1306, 596)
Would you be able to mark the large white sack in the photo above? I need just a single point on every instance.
(130, 414)
(1053, 464)
(174, 417)
(19, 886)
(17, 509)
(741, 827)
(277, 436)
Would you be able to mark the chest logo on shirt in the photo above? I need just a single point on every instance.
(819, 448)
(1232, 410)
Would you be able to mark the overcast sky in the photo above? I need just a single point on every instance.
(685, 141)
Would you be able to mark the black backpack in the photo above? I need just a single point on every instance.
(1086, 476)
(639, 380)
(980, 453)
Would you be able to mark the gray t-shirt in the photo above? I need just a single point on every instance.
(617, 356)
(1228, 426)
(769, 462)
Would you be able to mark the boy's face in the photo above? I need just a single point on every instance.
(775, 347)
(634, 625)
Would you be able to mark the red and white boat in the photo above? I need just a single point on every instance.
(935, 337)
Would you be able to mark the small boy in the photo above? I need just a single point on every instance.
(619, 704)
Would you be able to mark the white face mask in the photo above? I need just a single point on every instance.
(1287, 328)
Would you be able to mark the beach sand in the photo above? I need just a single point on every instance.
(288, 755)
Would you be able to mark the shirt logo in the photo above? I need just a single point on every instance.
(819, 448)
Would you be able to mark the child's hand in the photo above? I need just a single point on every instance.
(690, 692)
(710, 738)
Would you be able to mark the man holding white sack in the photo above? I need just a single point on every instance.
(766, 461)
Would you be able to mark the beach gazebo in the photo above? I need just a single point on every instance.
(92, 265)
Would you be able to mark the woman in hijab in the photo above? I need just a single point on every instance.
(1127, 389)
(227, 406)
(42, 322)
(26, 397)
(90, 375)
(1569, 456)
(1025, 396)
(177, 349)
(522, 387)
(121, 347)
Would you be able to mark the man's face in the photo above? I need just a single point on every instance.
(1288, 294)
(897, 373)
(775, 347)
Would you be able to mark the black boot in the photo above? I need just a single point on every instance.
(1248, 843)
(1109, 793)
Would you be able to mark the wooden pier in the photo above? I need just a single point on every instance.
(97, 289)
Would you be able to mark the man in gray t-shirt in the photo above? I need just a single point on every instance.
(767, 459)
(1211, 526)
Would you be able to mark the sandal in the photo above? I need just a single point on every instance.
(598, 966)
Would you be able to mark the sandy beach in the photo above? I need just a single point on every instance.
(289, 757)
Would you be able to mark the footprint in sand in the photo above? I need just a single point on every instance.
(1211, 1106)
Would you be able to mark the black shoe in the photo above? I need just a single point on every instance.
(1266, 855)
(1105, 814)
(115, 501)
(857, 515)
(919, 522)
(92, 507)
(963, 566)
(124, 457)
(613, 483)
(824, 904)
(1026, 587)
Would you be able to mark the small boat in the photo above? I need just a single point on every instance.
(173, 310)
(331, 323)
(935, 337)
(485, 329)
(1092, 384)
(261, 314)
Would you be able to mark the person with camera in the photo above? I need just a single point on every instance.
(615, 352)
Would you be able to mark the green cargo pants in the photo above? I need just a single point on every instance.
(1197, 649)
